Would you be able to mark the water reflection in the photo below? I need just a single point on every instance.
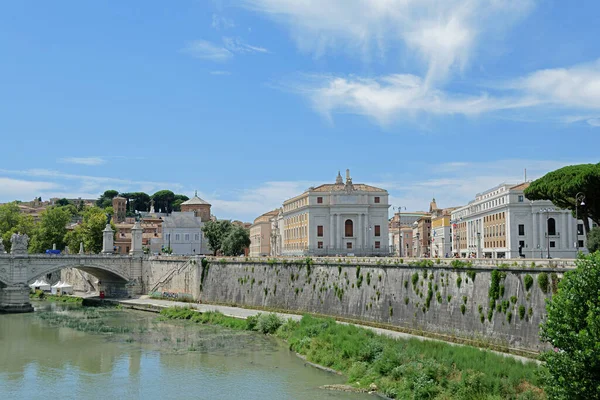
(153, 360)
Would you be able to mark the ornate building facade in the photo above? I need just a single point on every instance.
(342, 218)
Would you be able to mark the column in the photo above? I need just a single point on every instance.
(136, 240)
(564, 235)
(331, 231)
(367, 233)
(534, 235)
(542, 234)
(108, 240)
(359, 234)
(338, 233)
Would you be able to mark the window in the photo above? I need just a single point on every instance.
(320, 231)
(521, 230)
(377, 199)
(377, 230)
(553, 244)
(320, 245)
(580, 229)
(177, 236)
(551, 227)
(187, 237)
(580, 243)
(319, 200)
(349, 228)
(377, 245)
(349, 245)
(197, 237)
(521, 199)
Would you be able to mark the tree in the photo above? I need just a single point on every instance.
(572, 326)
(62, 202)
(89, 231)
(163, 200)
(51, 229)
(106, 199)
(561, 187)
(12, 221)
(215, 232)
(137, 201)
(593, 240)
(179, 199)
(236, 240)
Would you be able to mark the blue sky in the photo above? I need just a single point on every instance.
(252, 101)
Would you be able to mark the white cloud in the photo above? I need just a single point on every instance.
(207, 51)
(577, 86)
(83, 160)
(219, 22)
(442, 33)
(220, 73)
(595, 122)
(18, 189)
(236, 45)
(395, 96)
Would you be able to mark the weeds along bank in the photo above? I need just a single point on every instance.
(396, 368)
(502, 307)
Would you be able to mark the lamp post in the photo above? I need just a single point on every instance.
(418, 245)
(478, 244)
(579, 201)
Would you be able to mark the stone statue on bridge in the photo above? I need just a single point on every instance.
(19, 243)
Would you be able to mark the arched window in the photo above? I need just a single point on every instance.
(551, 227)
(349, 228)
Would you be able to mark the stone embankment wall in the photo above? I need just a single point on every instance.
(480, 305)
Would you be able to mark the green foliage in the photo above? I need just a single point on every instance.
(215, 232)
(415, 279)
(543, 281)
(471, 274)
(458, 281)
(51, 229)
(409, 369)
(163, 200)
(105, 200)
(528, 282)
(137, 201)
(12, 221)
(513, 299)
(521, 312)
(406, 284)
(494, 291)
(89, 231)
(235, 241)
(509, 317)
(561, 187)
(502, 290)
(572, 326)
(593, 240)
(463, 308)
(368, 278)
(178, 200)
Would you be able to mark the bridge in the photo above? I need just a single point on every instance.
(118, 275)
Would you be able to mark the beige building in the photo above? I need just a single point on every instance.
(342, 218)
(402, 237)
(260, 235)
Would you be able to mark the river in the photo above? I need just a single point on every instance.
(53, 354)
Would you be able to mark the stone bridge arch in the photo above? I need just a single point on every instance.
(102, 272)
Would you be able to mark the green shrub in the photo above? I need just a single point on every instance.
(543, 281)
(513, 299)
(463, 308)
(415, 278)
(528, 282)
(268, 323)
(458, 281)
(521, 312)
(509, 316)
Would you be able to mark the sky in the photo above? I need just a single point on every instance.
(250, 102)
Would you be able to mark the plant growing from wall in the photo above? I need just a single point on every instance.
(357, 271)
(458, 281)
(368, 278)
(463, 308)
(555, 280)
(513, 299)
(509, 316)
(406, 300)
(471, 274)
(415, 279)
(521, 312)
(205, 265)
(528, 282)
(543, 281)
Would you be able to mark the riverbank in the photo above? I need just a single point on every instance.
(396, 368)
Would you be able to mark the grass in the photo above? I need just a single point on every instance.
(40, 295)
(89, 321)
(410, 368)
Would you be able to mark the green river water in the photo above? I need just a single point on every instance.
(41, 357)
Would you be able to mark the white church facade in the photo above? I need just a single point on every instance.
(342, 218)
